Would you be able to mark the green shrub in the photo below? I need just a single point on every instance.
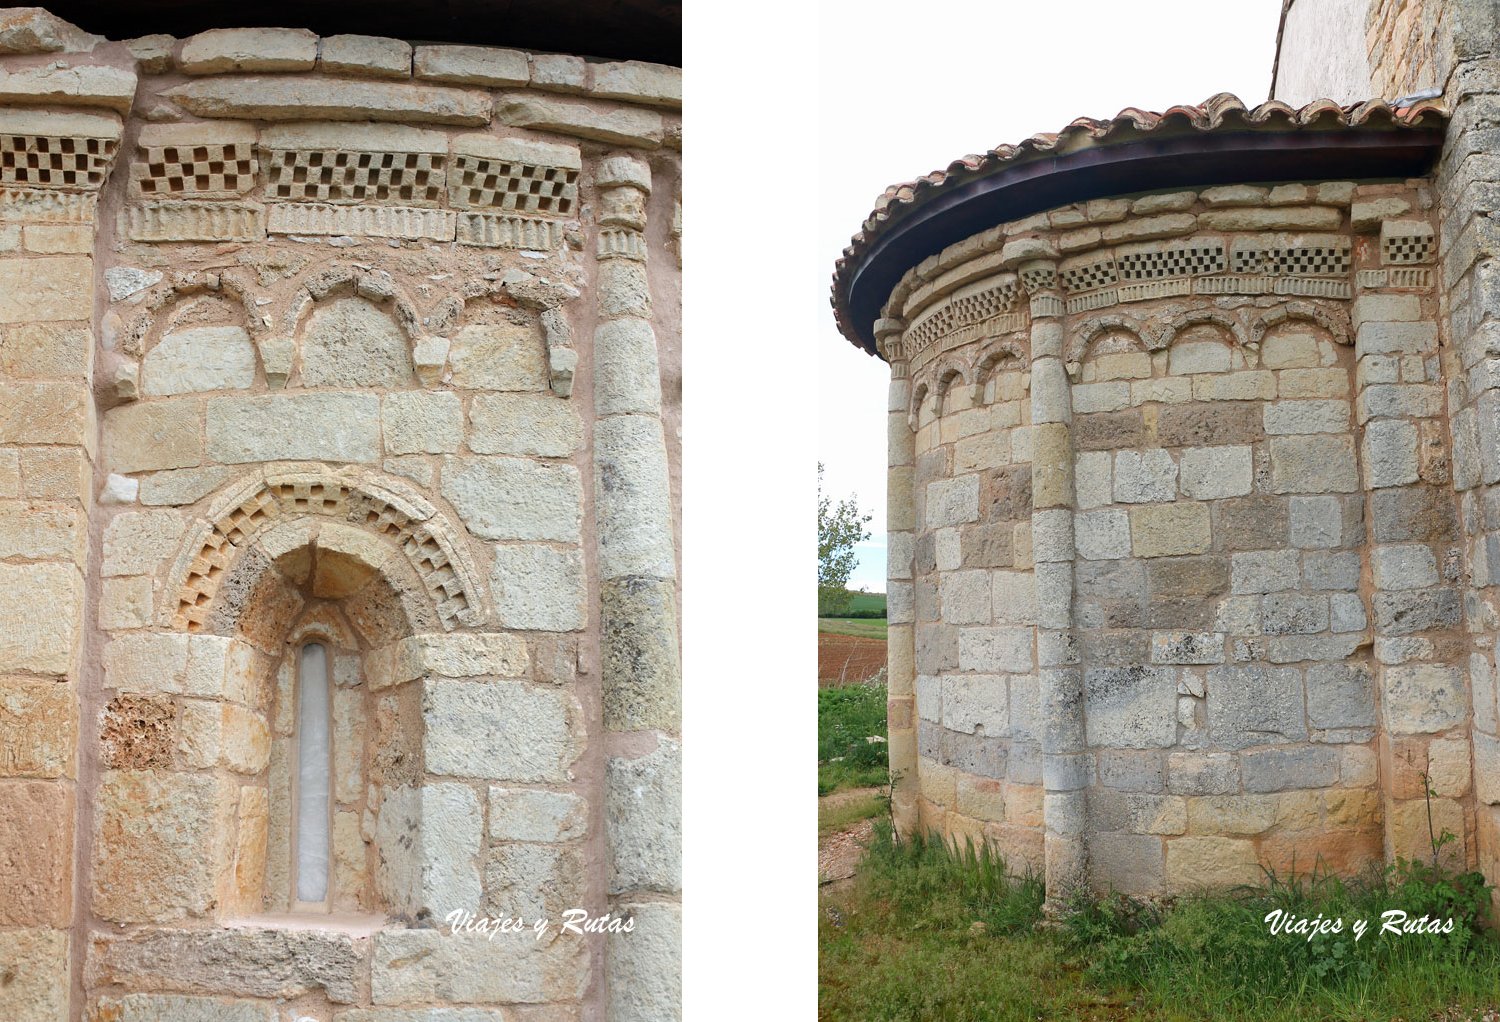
(847, 716)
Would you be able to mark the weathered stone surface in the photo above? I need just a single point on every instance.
(1340, 696)
(36, 838)
(1313, 464)
(1212, 472)
(1422, 698)
(136, 542)
(533, 881)
(366, 56)
(42, 607)
(634, 502)
(34, 30)
(153, 435)
(539, 587)
(45, 351)
(1192, 773)
(995, 649)
(1255, 705)
(37, 962)
(45, 290)
(508, 498)
(412, 966)
(1194, 863)
(75, 85)
(471, 65)
(1131, 707)
(643, 818)
(1311, 766)
(504, 731)
(159, 844)
(639, 82)
(42, 533)
(37, 727)
(1144, 477)
(422, 422)
(1163, 530)
(177, 1008)
(499, 356)
(615, 125)
(643, 968)
(976, 704)
(430, 838)
(351, 342)
(638, 652)
(237, 961)
(447, 656)
(524, 814)
(249, 49)
(537, 425)
(331, 427)
(309, 97)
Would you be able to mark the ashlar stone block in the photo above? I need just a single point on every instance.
(42, 607)
(1212, 472)
(527, 814)
(537, 425)
(1131, 707)
(422, 422)
(1164, 530)
(643, 817)
(1145, 477)
(509, 498)
(504, 731)
(1313, 463)
(201, 359)
(160, 844)
(1255, 705)
(1423, 698)
(538, 587)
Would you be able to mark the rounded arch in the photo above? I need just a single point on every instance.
(1333, 319)
(945, 375)
(918, 395)
(375, 286)
(180, 286)
(996, 354)
(1084, 337)
(351, 526)
(1162, 332)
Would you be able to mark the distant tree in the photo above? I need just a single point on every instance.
(840, 527)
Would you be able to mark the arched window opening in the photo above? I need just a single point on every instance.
(314, 770)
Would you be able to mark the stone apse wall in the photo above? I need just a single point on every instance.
(330, 341)
(1180, 584)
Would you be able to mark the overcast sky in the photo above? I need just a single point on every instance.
(908, 87)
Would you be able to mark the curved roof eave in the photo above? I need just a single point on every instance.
(1220, 141)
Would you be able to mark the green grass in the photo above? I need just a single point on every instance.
(864, 627)
(847, 715)
(866, 603)
(836, 817)
(928, 933)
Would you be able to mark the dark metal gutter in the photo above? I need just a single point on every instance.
(1197, 160)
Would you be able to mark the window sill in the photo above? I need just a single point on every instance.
(355, 924)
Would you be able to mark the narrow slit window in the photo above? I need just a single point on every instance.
(314, 809)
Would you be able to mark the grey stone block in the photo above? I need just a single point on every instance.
(1255, 705)
(1286, 769)
(1340, 696)
(1293, 614)
(640, 672)
(1131, 707)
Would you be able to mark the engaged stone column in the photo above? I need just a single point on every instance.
(1414, 557)
(637, 577)
(47, 450)
(1067, 767)
(901, 668)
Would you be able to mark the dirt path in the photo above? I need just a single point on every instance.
(839, 851)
